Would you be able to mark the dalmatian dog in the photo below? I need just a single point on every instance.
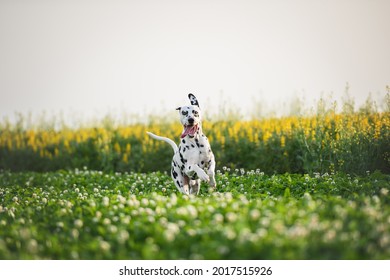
(193, 159)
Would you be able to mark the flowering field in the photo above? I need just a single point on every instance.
(351, 143)
(314, 187)
(85, 214)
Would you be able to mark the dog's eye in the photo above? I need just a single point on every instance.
(185, 113)
(195, 112)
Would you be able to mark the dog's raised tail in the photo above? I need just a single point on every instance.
(165, 139)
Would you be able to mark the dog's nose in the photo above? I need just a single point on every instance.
(191, 121)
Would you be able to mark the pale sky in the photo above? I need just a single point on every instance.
(92, 57)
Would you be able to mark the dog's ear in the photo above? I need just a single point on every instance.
(178, 108)
(193, 100)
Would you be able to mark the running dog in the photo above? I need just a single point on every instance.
(193, 160)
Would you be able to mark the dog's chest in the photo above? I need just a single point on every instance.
(196, 150)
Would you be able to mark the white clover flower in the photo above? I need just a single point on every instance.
(173, 200)
(25, 233)
(121, 199)
(171, 231)
(192, 211)
(78, 223)
(169, 236)
(98, 214)
(181, 211)
(384, 191)
(112, 229)
(229, 196)
(15, 199)
(230, 234)
(163, 221)
(104, 245)
(74, 233)
(191, 232)
(149, 212)
(231, 217)
(330, 235)
(384, 241)
(106, 221)
(134, 213)
(144, 202)
(123, 236)
(218, 218)
(254, 214)
(223, 250)
(297, 231)
(106, 201)
(265, 221)
(210, 209)
(11, 213)
(32, 246)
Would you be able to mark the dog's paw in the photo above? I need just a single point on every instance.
(203, 176)
(212, 182)
(186, 190)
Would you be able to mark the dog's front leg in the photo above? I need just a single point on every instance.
(191, 169)
(211, 173)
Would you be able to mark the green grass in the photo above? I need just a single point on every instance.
(85, 214)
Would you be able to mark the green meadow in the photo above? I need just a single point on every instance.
(296, 187)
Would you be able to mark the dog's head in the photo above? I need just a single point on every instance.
(190, 117)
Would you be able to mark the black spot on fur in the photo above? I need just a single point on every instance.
(177, 182)
(202, 162)
(184, 150)
(183, 141)
(188, 147)
(192, 145)
(189, 167)
(202, 145)
(174, 174)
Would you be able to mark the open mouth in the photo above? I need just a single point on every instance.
(189, 130)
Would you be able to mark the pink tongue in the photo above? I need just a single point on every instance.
(189, 130)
